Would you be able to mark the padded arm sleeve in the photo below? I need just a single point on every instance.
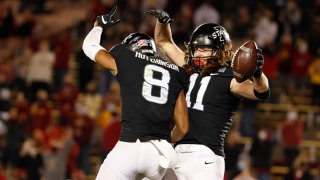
(91, 44)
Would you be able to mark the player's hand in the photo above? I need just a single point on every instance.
(107, 20)
(260, 62)
(162, 16)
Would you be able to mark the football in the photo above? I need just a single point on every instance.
(244, 61)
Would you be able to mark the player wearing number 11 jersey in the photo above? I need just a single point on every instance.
(152, 94)
(213, 96)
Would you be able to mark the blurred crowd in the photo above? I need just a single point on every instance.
(58, 108)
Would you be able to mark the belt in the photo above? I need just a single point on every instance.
(141, 139)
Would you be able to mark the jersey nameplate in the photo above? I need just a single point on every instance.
(156, 61)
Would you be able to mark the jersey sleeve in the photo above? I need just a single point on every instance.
(228, 72)
(119, 52)
(184, 79)
(121, 55)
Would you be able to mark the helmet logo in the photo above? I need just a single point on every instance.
(143, 42)
(140, 43)
(218, 33)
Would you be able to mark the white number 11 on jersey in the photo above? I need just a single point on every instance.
(203, 87)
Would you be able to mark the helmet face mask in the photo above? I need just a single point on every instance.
(139, 42)
(200, 56)
(206, 36)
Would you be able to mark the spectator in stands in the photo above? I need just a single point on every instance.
(314, 75)
(248, 115)
(30, 154)
(266, 29)
(261, 153)
(242, 22)
(271, 63)
(26, 25)
(301, 58)
(244, 166)
(23, 109)
(89, 102)
(7, 65)
(205, 13)
(233, 149)
(292, 16)
(270, 68)
(301, 168)
(284, 53)
(62, 49)
(40, 111)
(14, 138)
(133, 13)
(55, 156)
(66, 100)
(82, 134)
(7, 21)
(40, 69)
(21, 64)
(292, 130)
(5, 97)
(183, 23)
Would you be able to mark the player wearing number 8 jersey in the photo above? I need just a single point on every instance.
(152, 94)
(213, 96)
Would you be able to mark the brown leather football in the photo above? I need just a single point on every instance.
(244, 61)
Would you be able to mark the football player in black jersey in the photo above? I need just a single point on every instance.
(212, 98)
(152, 94)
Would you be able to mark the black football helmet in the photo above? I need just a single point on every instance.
(140, 42)
(208, 35)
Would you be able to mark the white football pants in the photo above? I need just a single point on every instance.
(196, 162)
(133, 161)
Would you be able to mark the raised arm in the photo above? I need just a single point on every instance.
(163, 38)
(91, 44)
(181, 118)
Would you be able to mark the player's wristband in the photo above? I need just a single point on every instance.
(91, 44)
(263, 95)
(257, 73)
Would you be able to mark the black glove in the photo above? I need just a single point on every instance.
(162, 16)
(107, 20)
(260, 62)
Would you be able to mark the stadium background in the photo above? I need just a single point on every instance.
(59, 112)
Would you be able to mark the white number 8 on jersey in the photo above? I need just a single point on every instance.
(150, 81)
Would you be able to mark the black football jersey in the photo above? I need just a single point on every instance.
(150, 87)
(211, 108)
